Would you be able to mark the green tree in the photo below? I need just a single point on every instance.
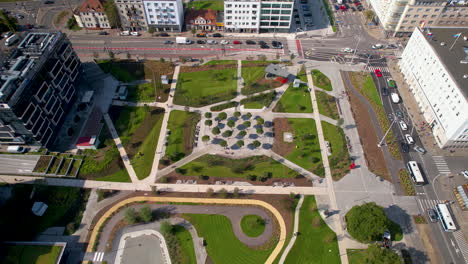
(146, 215)
(223, 193)
(215, 130)
(240, 143)
(112, 14)
(256, 143)
(205, 138)
(247, 124)
(374, 254)
(259, 130)
(130, 216)
(210, 192)
(223, 143)
(237, 114)
(369, 15)
(242, 133)
(227, 133)
(231, 123)
(222, 116)
(166, 228)
(8, 21)
(208, 114)
(194, 31)
(260, 121)
(368, 222)
(71, 23)
(208, 122)
(340, 122)
(248, 115)
(151, 29)
(235, 193)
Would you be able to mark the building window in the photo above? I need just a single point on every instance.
(430, 22)
(424, 16)
(405, 21)
(437, 10)
(416, 16)
(408, 16)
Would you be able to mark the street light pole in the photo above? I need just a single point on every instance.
(355, 48)
(386, 133)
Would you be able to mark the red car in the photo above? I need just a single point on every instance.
(378, 73)
(237, 42)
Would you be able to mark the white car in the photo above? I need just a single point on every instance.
(347, 50)
(224, 42)
(377, 46)
(395, 98)
(409, 139)
(465, 174)
(134, 33)
(403, 125)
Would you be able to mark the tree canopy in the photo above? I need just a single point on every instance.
(112, 14)
(374, 254)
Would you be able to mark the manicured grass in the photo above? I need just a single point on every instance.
(405, 181)
(207, 4)
(221, 62)
(254, 80)
(321, 80)
(327, 105)
(104, 164)
(340, 159)
(252, 225)
(356, 256)
(201, 88)
(224, 106)
(258, 101)
(65, 208)
(295, 100)
(30, 254)
(144, 92)
(182, 132)
(187, 250)
(118, 71)
(217, 166)
(364, 83)
(316, 242)
(306, 152)
(222, 245)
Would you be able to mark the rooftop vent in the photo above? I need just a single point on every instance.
(443, 44)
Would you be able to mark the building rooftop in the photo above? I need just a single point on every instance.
(452, 53)
(92, 6)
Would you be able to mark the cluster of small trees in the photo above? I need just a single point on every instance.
(144, 215)
(223, 193)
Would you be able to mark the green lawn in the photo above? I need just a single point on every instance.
(254, 80)
(252, 225)
(327, 105)
(144, 92)
(217, 166)
(306, 151)
(104, 164)
(220, 62)
(66, 205)
(206, 87)
(182, 133)
(30, 254)
(118, 71)
(207, 4)
(340, 159)
(187, 250)
(138, 128)
(321, 80)
(370, 91)
(258, 101)
(316, 242)
(222, 245)
(295, 100)
(356, 256)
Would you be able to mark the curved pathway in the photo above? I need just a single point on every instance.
(296, 229)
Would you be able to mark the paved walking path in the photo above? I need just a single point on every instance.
(120, 147)
(240, 80)
(193, 156)
(295, 231)
(292, 165)
(331, 191)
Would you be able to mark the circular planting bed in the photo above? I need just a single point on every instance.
(252, 225)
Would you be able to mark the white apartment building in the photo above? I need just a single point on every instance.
(166, 15)
(257, 16)
(435, 66)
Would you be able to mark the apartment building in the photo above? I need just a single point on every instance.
(258, 16)
(37, 88)
(435, 66)
(401, 17)
(167, 15)
(132, 14)
(91, 15)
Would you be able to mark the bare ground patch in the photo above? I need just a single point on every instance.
(281, 125)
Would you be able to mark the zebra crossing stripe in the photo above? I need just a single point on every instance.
(462, 244)
(441, 164)
(98, 257)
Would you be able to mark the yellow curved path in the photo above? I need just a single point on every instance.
(263, 204)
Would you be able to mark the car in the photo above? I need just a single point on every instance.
(432, 214)
(48, 2)
(391, 83)
(261, 42)
(163, 35)
(18, 16)
(250, 42)
(336, 7)
(409, 139)
(277, 44)
(360, 8)
(392, 46)
(384, 91)
(168, 42)
(237, 42)
(307, 14)
(464, 173)
(403, 125)
(8, 34)
(224, 42)
(404, 147)
(399, 114)
(353, 9)
(264, 46)
(343, 8)
(134, 33)
(201, 35)
(378, 73)
(347, 50)
(211, 42)
(419, 149)
(377, 46)
(201, 41)
(305, 7)
(296, 16)
(103, 33)
(217, 35)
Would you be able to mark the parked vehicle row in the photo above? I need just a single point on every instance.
(185, 41)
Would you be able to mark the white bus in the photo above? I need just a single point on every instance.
(415, 173)
(445, 217)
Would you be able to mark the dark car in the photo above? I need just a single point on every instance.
(277, 44)
(261, 42)
(432, 215)
(167, 42)
(103, 33)
(399, 114)
(360, 8)
(48, 2)
(201, 41)
(217, 35)
(404, 147)
(385, 91)
(264, 46)
(163, 35)
(250, 42)
(392, 46)
(307, 14)
(337, 7)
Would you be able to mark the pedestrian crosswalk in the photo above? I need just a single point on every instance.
(462, 243)
(98, 257)
(428, 203)
(441, 165)
(373, 68)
